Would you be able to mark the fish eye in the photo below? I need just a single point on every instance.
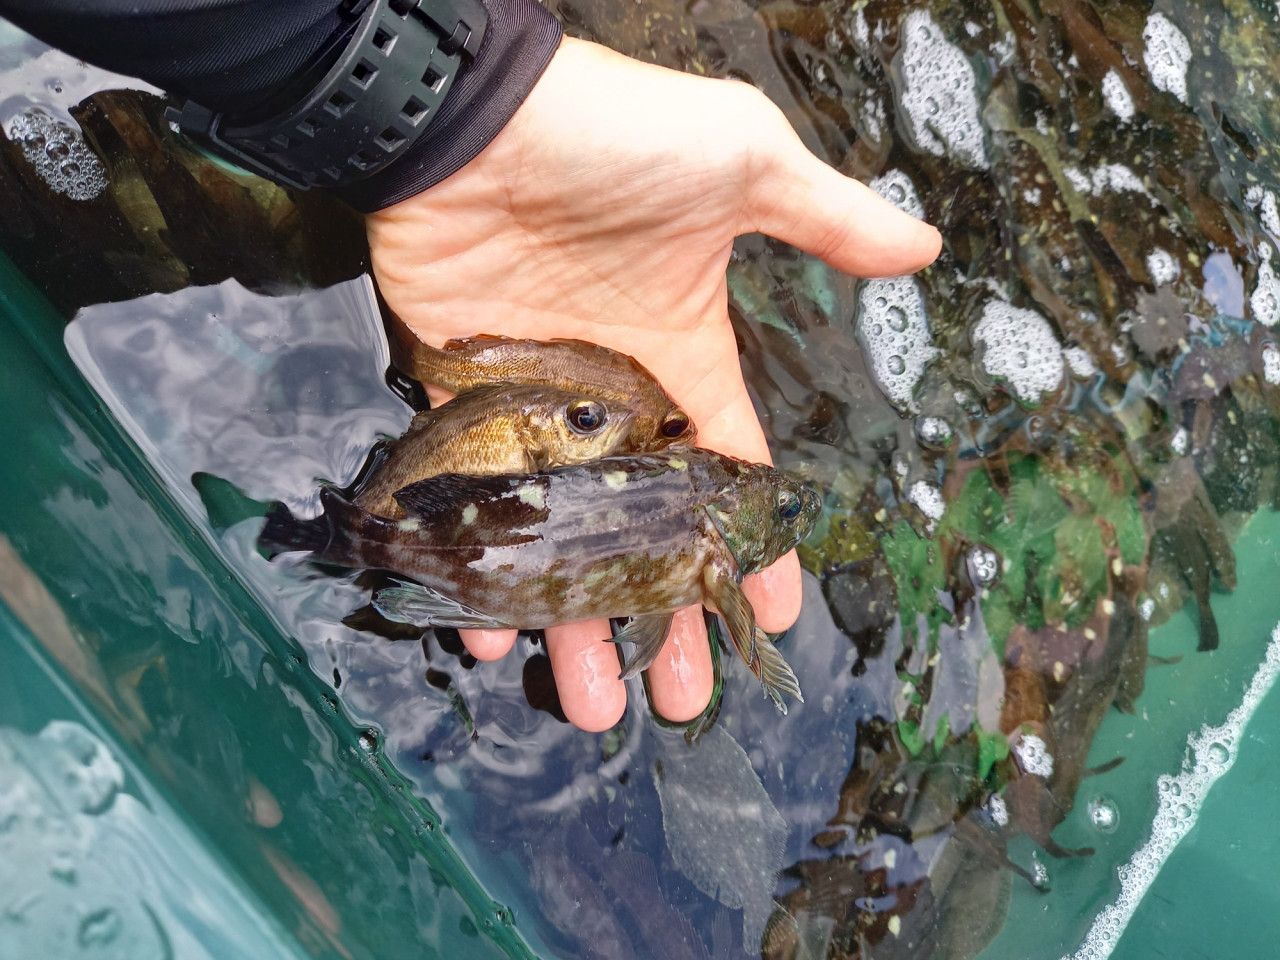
(675, 425)
(789, 505)
(586, 416)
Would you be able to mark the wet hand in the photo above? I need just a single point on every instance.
(606, 211)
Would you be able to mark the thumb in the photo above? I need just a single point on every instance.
(797, 198)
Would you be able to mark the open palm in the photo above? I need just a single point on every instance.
(606, 211)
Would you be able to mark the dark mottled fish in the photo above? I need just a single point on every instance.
(575, 366)
(639, 536)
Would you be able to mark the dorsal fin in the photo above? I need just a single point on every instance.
(451, 494)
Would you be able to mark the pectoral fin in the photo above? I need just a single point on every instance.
(753, 644)
(413, 603)
(648, 633)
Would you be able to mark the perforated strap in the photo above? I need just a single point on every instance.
(371, 106)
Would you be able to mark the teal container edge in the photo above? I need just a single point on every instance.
(408, 892)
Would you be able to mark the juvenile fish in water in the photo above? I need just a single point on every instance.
(503, 428)
(570, 365)
(639, 536)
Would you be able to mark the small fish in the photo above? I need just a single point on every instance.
(569, 365)
(636, 536)
(501, 428)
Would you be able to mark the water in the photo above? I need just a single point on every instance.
(1051, 452)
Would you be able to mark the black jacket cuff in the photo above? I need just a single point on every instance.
(520, 41)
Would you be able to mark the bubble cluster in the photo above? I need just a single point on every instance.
(984, 565)
(939, 94)
(1106, 178)
(1180, 441)
(927, 498)
(1161, 267)
(1167, 55)
(1103, 814)
(1271, 364)
(1210, 754)
(998, 810)
(896, 187)
(894, 332)
(1264, 202)
(1147, 608)
(1019, 349)
(1080, 362)
(1264, 302)
(1117, 96)
(933, 432)
(59, 154)
(1033, 756)
(1039, 873)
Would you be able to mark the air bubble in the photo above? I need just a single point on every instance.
(984, 565)
(1219, 754)
(1103, 814)
(933, 432)
(897, 318)
(896, 365)
(59, 154)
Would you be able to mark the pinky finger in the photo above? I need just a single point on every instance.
(488, 644)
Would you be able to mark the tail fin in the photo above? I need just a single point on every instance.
(284, 532)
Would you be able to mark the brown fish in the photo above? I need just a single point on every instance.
(569, 365)
(502, 428)
(639, 536)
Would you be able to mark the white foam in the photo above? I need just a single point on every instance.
(933, 431)
(1080, 362)
(927, 498)
(1264, 302)
(1019, 349)
(939, 95)
(1117, 96)
(1162, 267)
(1271, 364)
(984, 564)
(998, 810)
(1210, 754)
(58, 152)
(896, 187)
(861, 33)
(894, 332)
(1107, 178)
(1264, 201)
(1167, 55)
(1181, 439)
(1033, 756)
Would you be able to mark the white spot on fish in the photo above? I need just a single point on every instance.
(410, 525)
(677, 464)
(533, 495)
(469, 513)
(615, 479)
(895, 925)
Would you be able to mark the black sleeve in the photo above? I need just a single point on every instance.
(240, 56)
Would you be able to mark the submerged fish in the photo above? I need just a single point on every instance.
(503, 428)
(570, 365)
(639, 536)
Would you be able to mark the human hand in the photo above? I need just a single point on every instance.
(606, 211)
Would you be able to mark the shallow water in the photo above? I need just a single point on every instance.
(1086, 381)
